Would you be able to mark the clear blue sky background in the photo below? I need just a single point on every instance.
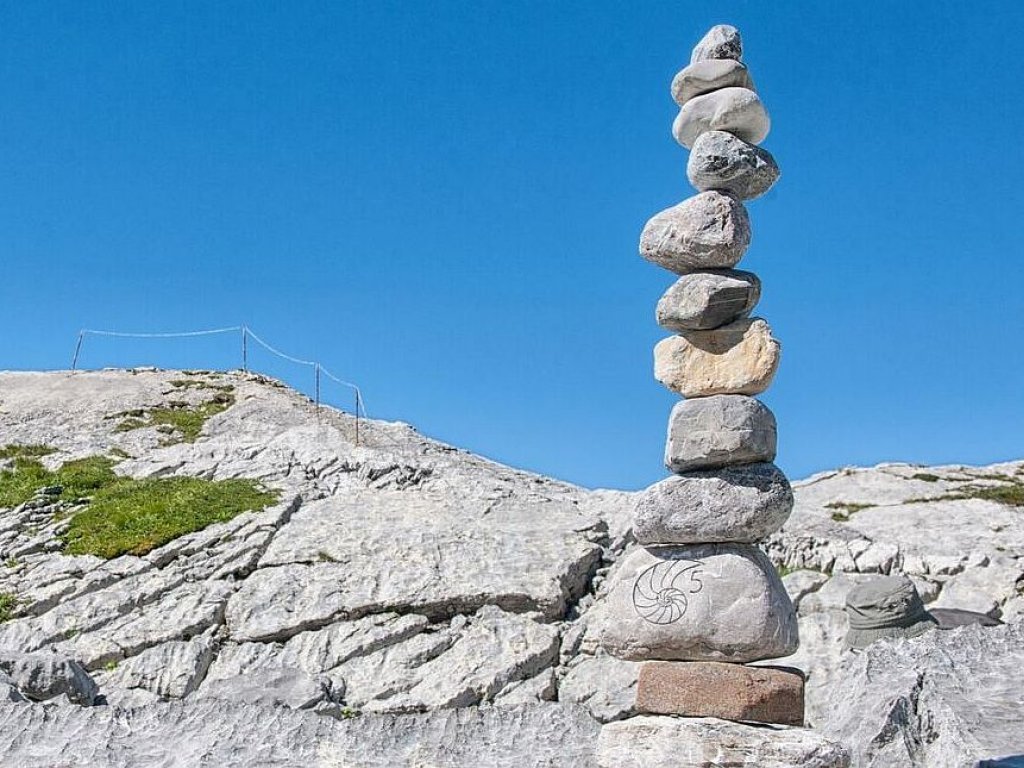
(442, 201)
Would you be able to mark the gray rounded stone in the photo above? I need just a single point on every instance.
(722, 41)
(707, 602)
(736, 110)
(706, 231)
(701, 301)
(719, 431)
(744, 504)
(723, 162)
(709, 75)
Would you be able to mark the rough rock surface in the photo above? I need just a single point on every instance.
(722, 161)
(737, 359)
(211, 732)
(44, 676)
(152, 629)
(722, 41)
(740, 504)
(727, 691)
(709, 75)
(942, 698)
(396, 575)
(719, 431)
(651, 740)
(707, 231)
(738, 111)
(704, 300)
(706, 602)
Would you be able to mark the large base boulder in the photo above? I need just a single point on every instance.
(706, 602)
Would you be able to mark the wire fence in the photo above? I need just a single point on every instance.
(245, 334)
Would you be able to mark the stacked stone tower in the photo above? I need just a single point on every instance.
(699, 599)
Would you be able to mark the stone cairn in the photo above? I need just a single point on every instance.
(698, 599)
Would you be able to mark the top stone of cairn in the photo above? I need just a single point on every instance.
(721, 42)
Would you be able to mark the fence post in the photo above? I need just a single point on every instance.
(316, 367)
(245, 349)
(357, 418)
(78, 348)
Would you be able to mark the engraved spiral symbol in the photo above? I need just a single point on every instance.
(659, 594)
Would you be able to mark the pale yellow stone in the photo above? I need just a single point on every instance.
(740, 358)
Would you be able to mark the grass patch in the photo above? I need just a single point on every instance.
(926, 476)
(25, 451)
(200, 384)
(126, 515)
(8, 604)
(77, 479)
(845, 509)
(179, 419)
(136, 516)
(1012, 494)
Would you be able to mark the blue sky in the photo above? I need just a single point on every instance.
(442, 201)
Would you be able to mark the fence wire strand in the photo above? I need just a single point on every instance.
(246, 331)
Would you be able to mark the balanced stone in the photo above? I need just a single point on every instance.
(722, 41)
(740, 504)
(701, 301)
(706, 602)
(739, 358)
(709, 75)
(649, 740)
(706, 231)
(728, 691)
(726, 163)
(719, 431)
(736, 110)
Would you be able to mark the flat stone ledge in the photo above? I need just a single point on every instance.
(651, 740)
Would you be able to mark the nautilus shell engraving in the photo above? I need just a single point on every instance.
(659, 594)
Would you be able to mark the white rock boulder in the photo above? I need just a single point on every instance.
(738, 111)
(709, 75)
(722, 41)
(738, 504)
(707, 231)
(706, 602)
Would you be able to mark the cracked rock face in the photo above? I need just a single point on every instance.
(942, 698)
(452, 658)
(397, 575)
